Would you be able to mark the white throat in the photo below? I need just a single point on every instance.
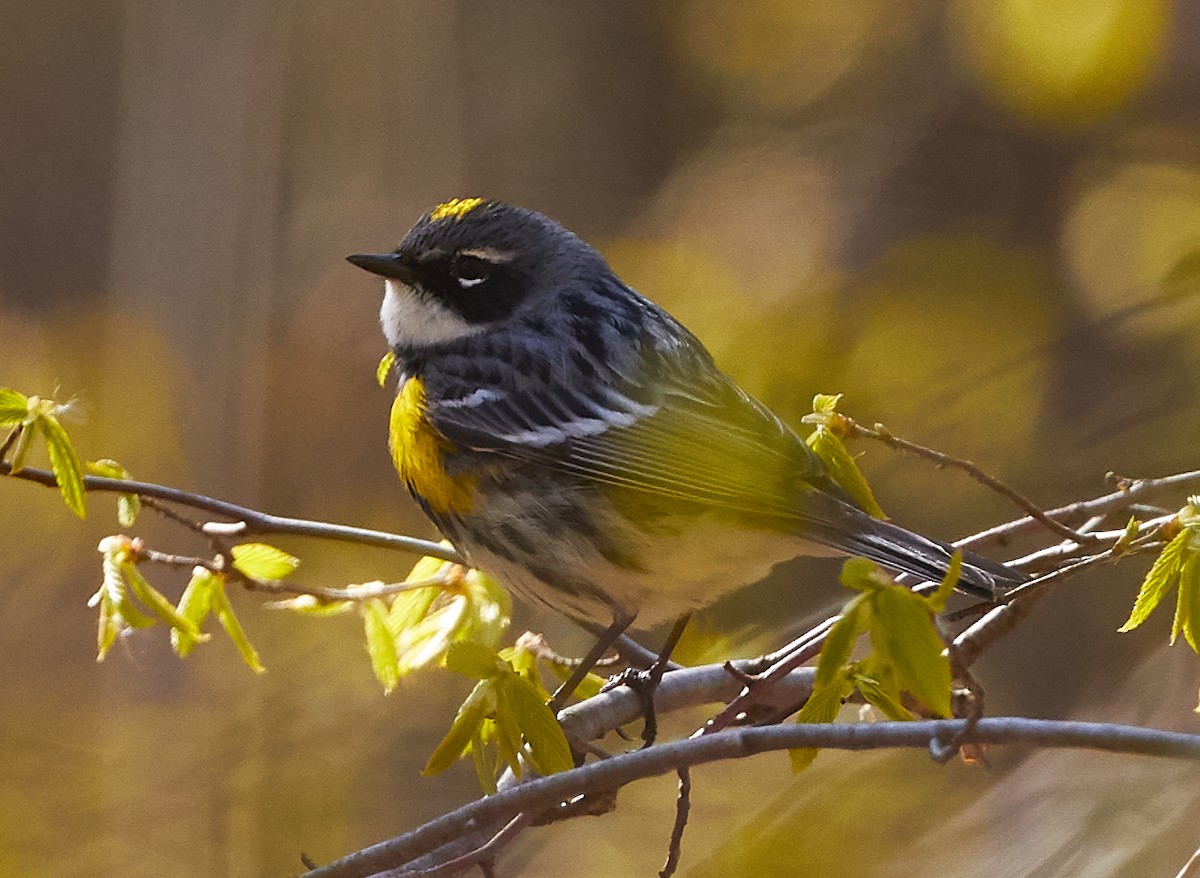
(412, 320)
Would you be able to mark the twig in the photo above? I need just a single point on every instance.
(1191, 869)
(975, 640)
(253, 521)
(481, 856)
(542, 793)
(783, 663)
(683, 805)
(1098, 506)
(882, 434)
(11, 438)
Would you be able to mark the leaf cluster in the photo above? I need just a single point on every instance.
(907, 652)
(504, 723)
(1177, 564)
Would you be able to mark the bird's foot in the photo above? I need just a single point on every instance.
(643, 683)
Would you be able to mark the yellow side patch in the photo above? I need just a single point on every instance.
(417, 451)
(455, 208)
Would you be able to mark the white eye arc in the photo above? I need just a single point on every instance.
(470, 269)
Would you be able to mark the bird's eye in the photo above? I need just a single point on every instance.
(470, 270)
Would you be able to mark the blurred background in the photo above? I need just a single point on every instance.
(978, 220)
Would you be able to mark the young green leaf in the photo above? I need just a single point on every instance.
(937, 601)
(547, 744)
(465, 728)
(485, 763)
(863, 574)
(153, 599)
(20, 449)
(506, 729)
(263, 561)
(380, 644)
(128, 505)
(839, 642)
(822, 707)
(882, 690)
(1187, 610)
(65, 463)
(1158, 581)
(229, 621)
(844, 469)
(826, 442)
(475, 660)
(903, 635)
(14, 406)
(117, 611)
(194, 605)
(883, 696)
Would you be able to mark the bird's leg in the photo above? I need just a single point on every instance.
(645, 682)
(620, 622)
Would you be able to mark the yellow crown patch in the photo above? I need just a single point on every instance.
(455, 208)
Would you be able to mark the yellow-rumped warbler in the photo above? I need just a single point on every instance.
(574, 440)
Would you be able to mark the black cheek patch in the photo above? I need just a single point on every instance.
(492, 299)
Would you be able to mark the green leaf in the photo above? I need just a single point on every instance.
(506, 728)
(263, 561)
(410, 607)
(1158, 581)
(489, 608)
(863, 574)
(475, 660)
(194, 605)
(14, 406)
(111, 623)
(380, 644)
(937, 601)
(904, 636)
(839, 642)
(128, 505)
(485, 764)
(1187, 610)
(822, 707)
(547, 743)
(153, 599)
(229, 621)
(844, 469)
(21, 446)
(464, 729)
(879, 686)
(109, 627)
(117, 611)
(65, 463)
(384, 369)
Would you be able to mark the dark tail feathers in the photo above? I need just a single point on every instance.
(899, 549)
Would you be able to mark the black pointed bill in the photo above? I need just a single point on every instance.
(385, 264)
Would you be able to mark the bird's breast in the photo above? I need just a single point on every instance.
(419, 451)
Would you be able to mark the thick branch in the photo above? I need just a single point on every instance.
(542, 794)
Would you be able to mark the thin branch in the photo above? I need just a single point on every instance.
(543, 793)
(1191, 869)
(975, 640)
(882, 434)
(482, 856)
(683, 805)
(1105, 504)
(253, 522)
